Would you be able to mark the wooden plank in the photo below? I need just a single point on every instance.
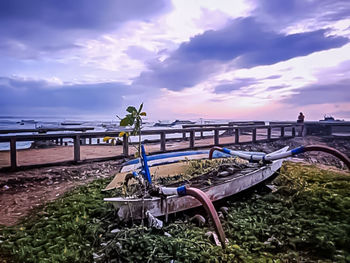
(77, 148)
(236, 135)
(125, 145)
(254, 135)
(13, 154)
(192, 139)
(162, 141)
(282, 131)
(269, 133)
(216, 137)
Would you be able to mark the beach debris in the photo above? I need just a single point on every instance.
(272, 187)
(215, 237)
(224, 210)
(223, 174)
(6, 187)
(198, 220)
(116, 230)
(153, 221)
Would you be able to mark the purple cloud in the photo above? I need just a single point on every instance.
(248, 42)
(31, 97)
(51, 25)
(322, 93)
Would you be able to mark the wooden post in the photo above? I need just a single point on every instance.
(98, 140)
(90, 140)
(202, 136)
(61, 141)
(293, 131)
(162, 141)
(254, 135)
(216, 137)
(77, 148)
(269, 133)
(236, 135)
(282, 131)
(13, 153)
(184, 136)
(65, 143)
(192, 134)
(56, 141)
(125, 145)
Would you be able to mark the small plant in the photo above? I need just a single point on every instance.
(133, 119)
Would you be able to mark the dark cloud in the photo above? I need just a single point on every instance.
(237, 84)
(282, 13)
(322, 93)
(20, 96)
(253, 44)
(50, 25)
(244, 40)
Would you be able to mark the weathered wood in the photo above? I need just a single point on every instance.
(77, 148)
(192, 134)
(282, 131)
(125, 145)
(254, 135)
(269, 133)
(90, 140)
(236, 135)
(13, 153)
(44, 130)
(216, 137)
(98, 141)
(162, 141)
(184, 138)
(61, 141)
(293, 131)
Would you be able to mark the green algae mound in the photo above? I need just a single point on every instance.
(306, 219)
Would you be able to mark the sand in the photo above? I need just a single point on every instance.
(65, 153)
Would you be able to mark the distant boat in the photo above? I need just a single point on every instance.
(329, 118)
(71, 123)
(163, 124)
(178, 122)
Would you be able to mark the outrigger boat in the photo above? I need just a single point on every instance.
(227, 179)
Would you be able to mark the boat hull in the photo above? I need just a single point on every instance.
(128, 208)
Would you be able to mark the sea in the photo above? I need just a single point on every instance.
(20, 123)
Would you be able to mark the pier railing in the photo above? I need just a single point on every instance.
(190, 138)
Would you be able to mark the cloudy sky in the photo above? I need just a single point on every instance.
(224, 59)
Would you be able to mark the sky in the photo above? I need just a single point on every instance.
(184, 59)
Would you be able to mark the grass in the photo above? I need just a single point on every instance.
(307, 219)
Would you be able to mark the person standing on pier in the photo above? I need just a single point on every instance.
(300, 121)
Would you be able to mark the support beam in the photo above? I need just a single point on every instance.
(254, 136)
(125, 145)
(61, 141)
(216, 137)
(192, 134)
(184, 138)
(90, 140)
(162, 141)
(269, 133)
(282, 131)
(236, 135)
(77, 148)
(293, 131)
(13, 153)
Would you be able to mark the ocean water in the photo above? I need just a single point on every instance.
(17, 123)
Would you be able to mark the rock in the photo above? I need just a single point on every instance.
(198, 220)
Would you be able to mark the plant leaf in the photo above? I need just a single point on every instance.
(140, 108)
(131, 109)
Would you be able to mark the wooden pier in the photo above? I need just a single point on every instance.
(188, 138)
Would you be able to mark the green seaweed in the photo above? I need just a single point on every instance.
(306, 220)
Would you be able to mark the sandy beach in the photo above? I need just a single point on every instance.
(65, 153)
